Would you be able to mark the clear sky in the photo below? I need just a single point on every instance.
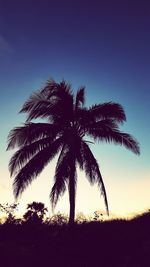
(104, 45)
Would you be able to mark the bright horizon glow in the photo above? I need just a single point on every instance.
(122, 196)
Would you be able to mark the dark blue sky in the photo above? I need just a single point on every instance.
(83, 42)
(104, 45)
(96, 39)
(101, 44)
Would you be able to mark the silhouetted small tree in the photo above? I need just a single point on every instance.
(35, 212)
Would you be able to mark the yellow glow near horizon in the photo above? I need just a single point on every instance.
(125, 197)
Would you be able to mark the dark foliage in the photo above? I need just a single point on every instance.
(116, 243)
(35, 213)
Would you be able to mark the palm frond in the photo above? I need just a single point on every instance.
(65, 96)
(102, 124)
(108, 110)
(25, 153)
(31, 132)
(54, 101)
(62, 174)
(88, 163)
(107, 130)
(80, 97)
(41, 97)
(33, 101)
(45, 110)
(61, 91)
(50, 87)
(81, 117)
(34, 167)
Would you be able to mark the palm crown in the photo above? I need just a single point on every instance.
(68, 123)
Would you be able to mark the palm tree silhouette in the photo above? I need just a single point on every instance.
(69, 122)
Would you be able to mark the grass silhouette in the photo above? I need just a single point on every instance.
(115, 243)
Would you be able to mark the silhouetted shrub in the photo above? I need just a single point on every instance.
(8, 210)
(35, 213)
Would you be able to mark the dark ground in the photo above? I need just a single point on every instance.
(116, 243)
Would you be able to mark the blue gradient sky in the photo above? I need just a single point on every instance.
(104, 46)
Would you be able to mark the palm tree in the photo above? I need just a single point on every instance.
(68, 124)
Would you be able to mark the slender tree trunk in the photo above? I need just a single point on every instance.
(72, 190)
(72, 200)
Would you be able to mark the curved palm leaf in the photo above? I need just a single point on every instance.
(50, 87)
(24, 154)
(47, 109)
(108, 110)
(88, 163)
(61, 176)
(33, 101)
(41, 96)
(35, 166)
(31, 132)
(107, 130)
(54, 104)
(80, 97)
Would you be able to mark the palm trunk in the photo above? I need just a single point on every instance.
(72, 200)
(72, 189)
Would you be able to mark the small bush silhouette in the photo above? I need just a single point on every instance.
(9, 210)
(35, 212)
